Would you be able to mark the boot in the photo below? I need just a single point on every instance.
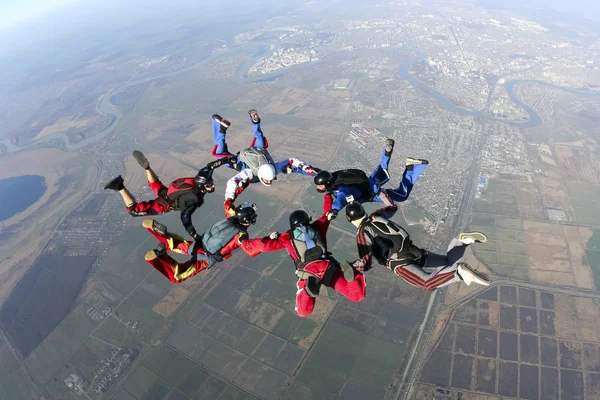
(159, 251)
(472, 237)
(349, 271)
(411, 162)
(254, 116)
(155, 226)
(469, 275)
(389, 146)
(116, 184)
(313, 286)
(141, 159)
(224, 123)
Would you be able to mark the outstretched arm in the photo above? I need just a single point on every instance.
(386, 212)
(293, 165)
(322, 224)
(186, 219)
(235, 186)
(266, 244)
(364, 241)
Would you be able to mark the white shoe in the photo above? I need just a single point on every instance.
(468, 275)
(472, 237)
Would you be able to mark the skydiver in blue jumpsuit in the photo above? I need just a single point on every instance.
(362, 189)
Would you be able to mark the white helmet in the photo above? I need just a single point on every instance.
(266, 172)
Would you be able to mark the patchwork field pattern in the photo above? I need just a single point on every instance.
(527, 245)
(516, 342)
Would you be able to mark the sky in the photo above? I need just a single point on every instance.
(15, 11)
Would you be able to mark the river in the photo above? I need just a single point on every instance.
(533, 120)
(106, 107)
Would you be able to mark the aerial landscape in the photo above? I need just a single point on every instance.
(501, 98)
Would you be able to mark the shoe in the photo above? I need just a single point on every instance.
(468, 275)
(116, 184)
(313, 286)
(389, 145)
(224, 123)
(472, 237)
(155, 226)
(160, 250)
(151, 255)
(414, 161)
(141, 159)
(349, 271)
(254, 116)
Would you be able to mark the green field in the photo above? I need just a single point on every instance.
(592, 253)
(59, 346)
(511, 248)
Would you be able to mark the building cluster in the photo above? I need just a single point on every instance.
(110, 368)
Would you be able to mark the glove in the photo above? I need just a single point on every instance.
(229, 208)
(274, 235)
(232, 161)
(218, 257)
(288, 169)
(196, 236)
(310, 171)
(244, 184)
(332, 214)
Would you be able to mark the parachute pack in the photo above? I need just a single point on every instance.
(352, 177)
(255, 157)
(182, 193)
(220, 234)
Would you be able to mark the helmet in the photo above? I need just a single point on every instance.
(204, 180)
(246, 213)
(354, 211)
(266, 172)
(323, 178)
(299, 217)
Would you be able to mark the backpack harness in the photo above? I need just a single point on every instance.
(396, 247)
(220, 234)
(310, 248)
(353, 177)
(181, 194)
(254, 158)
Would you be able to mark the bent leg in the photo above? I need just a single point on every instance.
(259, 139)
(304, 303)
(409, 178)
(151, 207)
(353, 291)
(174, 242)
(418, 277)
(157, 188)
(220, 148)
(174, 271)
(381, 174)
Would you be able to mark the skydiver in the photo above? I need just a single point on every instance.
(306, 243)
(183, 194)
(253, 163)
(215, 245)
(354, 184)
(391, 246)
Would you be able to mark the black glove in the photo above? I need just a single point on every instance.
(196, 236)
(218, 257)
(232, 161)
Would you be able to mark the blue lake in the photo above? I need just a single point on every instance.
(19, 192)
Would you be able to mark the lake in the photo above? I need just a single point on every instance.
(19, 192)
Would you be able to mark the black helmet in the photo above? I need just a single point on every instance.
(323, 178)
(246, 213)
(299, 217)
(354, 211)
(204, 180)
